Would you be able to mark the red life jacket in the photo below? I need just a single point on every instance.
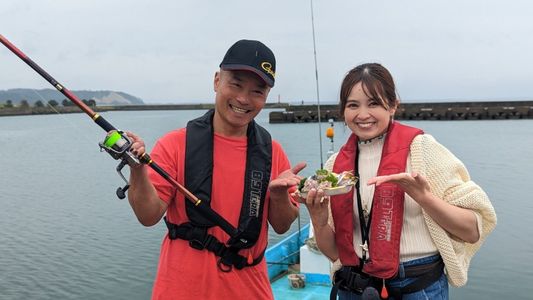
(387, 205)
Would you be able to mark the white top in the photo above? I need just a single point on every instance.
(449, 180)
(415, 240)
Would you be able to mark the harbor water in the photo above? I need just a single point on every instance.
(65, 235)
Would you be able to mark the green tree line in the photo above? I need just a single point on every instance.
(24, 104)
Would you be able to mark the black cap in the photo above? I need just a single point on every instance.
(250, 55)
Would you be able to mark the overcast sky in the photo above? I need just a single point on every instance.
(168, 51)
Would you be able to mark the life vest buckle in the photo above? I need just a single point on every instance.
(198, 238)
(224, 266)
(201, 245)
(351, 279)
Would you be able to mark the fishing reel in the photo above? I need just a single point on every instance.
(118, 145)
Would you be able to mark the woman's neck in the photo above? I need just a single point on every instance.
(368, 141)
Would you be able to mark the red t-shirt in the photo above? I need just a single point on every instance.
(187, 273)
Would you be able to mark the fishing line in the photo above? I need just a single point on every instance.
(75, 126)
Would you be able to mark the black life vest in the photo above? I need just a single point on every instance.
(198, 180)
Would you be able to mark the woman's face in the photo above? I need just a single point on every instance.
(366, 117)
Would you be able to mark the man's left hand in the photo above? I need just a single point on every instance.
(286, 180)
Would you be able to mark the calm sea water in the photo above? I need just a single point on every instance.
(65, 235)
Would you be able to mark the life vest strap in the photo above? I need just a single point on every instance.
(199, 239)
(352, 279)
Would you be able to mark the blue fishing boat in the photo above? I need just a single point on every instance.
(297, 270)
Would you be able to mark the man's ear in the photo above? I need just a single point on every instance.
(216, 81)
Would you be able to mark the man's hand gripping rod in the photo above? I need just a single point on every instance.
(118, 145)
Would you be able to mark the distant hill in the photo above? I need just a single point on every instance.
(45, 95)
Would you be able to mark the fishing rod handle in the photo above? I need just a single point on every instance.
(146, 159)
(200, 205)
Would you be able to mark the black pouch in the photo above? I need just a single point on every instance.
(353, 280)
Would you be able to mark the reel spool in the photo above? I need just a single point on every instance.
(117, 144)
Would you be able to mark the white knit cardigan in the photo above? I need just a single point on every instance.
(449, 180)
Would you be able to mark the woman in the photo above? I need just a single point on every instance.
(414, 219)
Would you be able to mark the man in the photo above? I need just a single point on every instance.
(224, 158)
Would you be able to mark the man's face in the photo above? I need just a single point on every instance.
(240, 96)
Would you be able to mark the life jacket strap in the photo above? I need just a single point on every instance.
(425, 276)
(352, 279)
(199, 239)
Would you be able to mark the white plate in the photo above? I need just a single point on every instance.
(338, 190)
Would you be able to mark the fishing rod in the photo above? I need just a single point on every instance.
(118, 145)
(317, 90)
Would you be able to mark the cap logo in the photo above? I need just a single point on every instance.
(268, 68)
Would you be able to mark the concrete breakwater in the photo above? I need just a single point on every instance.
(416, 111)
(308, 113)
(20, 111)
